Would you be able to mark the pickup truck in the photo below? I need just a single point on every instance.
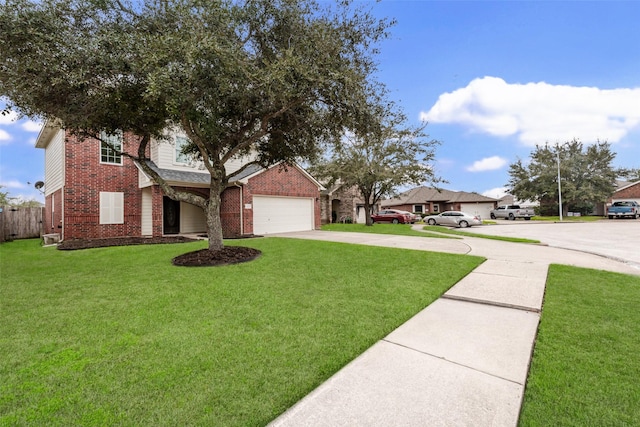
(512, 212)
(623, 209)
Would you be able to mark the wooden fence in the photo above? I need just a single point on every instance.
(20, 223)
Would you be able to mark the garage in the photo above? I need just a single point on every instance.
(482, 209)
(282, 214)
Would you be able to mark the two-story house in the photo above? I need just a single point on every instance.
(92, 191)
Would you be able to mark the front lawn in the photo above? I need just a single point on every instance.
(435, 231)
(586, 362)
(396, 229)
(120, 336)
(459, 232)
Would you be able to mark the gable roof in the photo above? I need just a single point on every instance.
(419, 195)
(201, 179)
(622, 185)
(48, 130)
(174, 177)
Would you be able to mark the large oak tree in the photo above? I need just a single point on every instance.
(587, 175)
(270, 77)
(381, 154)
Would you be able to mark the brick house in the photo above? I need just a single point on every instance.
(342, 203)
(425, 200)
(624, 191)
(91, 191)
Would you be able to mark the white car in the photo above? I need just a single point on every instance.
(453, 219)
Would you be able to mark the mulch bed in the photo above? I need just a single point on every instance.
(202, 258)
(225, 256)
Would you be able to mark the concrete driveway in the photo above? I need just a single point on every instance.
(618, 239)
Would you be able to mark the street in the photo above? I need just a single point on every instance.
(618, 239)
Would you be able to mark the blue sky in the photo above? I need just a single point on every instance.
(492, 78)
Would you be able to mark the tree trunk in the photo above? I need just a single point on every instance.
(367, 210)
(212, 211)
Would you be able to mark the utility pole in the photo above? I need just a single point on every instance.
(559, 186)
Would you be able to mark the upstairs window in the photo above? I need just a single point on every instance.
(110, 148)
(180, 156)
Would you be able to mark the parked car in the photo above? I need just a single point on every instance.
(623, 209)
(412, 217)
(453, 219)
(391, 215)
(512, 212)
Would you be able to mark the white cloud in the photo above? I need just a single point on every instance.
(6, 119)
(496, 193)
(13, 184)
(487, 164)
(4, 137)
(539, 112)
(31, 126)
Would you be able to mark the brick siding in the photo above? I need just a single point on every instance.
(53, 203)
(280, 181)
(86, 177)
(230, 205)
(632, 193)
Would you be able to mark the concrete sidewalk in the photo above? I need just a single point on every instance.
(463, 360)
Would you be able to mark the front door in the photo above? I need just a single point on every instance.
(170, 216)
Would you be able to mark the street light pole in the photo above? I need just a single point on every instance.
(559, 186)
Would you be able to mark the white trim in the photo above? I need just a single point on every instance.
(631, 184)
(104, 135)
(185, 141)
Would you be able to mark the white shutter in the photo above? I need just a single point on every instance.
(111, 208)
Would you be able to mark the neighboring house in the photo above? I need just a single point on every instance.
(624, 191)
(91, 191)
(341, 203)
(424, 200)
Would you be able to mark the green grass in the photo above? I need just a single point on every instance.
(586, 362)
(119, 336)
(396, 229)
(434, 231)
(457, 232)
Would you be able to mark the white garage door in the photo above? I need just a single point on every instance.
(282, 214)
(482, 209)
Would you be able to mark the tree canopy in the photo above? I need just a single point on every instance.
(274, 78)
(381, 156)
(587, 175)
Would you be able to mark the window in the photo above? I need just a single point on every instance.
(181, 142)
(417, 208)
(436, 208)
(107, 145)
(111, 208)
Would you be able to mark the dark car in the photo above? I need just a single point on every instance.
(391, 215)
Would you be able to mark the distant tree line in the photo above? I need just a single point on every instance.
(587, 176)
(18, 202)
